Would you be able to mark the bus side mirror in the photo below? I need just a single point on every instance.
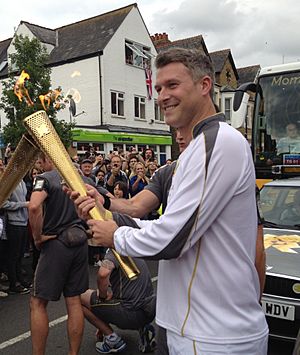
(239, 93)
(238, 117)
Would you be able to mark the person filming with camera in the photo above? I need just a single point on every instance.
(115, 175)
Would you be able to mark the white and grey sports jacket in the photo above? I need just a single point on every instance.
(208, 287)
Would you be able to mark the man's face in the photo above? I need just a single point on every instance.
(45, 165)
(148, 154)
(100, 175)
(178, 95)
(292, 131)
(132, 162)
(180, 141)
(86, 168)
(116, 162)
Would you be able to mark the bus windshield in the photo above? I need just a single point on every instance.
(276, 125)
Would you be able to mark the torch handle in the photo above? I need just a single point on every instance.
(126, 263)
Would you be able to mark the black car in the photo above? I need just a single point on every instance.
(280, 203)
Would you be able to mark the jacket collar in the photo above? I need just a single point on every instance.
(198, 129)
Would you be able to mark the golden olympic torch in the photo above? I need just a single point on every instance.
(45, 136)
(21, 161)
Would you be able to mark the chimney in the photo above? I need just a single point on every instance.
(160, 39)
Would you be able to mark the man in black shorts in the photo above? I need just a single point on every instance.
(63, 262)
(127, 304)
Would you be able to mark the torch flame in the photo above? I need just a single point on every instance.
(20, 89)
(51, 96)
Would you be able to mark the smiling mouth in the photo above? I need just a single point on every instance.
(170, 107)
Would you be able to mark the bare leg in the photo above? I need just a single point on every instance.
(75, 323)
(89, 315)
(39, 325)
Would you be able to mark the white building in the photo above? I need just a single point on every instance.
(102, 62)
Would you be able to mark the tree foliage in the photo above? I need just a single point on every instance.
(31, 56)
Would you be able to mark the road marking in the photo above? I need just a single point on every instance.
(51, 324)
(28, 334)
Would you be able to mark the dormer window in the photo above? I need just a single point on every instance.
(3, 65)
(138, 55)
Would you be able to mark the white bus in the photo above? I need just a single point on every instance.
(276, 120)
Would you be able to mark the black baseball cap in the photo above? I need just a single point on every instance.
(86, 160)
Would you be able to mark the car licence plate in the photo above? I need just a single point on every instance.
(278, 310)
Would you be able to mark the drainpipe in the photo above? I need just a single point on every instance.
(100, 87)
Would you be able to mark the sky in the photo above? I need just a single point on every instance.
(261, 32)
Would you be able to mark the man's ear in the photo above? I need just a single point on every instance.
(206, 85)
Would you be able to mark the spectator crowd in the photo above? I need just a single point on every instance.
(119, 175)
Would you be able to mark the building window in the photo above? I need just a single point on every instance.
(83, 147)
(154, 148)
(3, 64)
(117, 103)
(118, 147)
(158, 113)
(228, 76)
(137, 55)
(228, 109)
(139, 107)
(162, 155)
(141, 148)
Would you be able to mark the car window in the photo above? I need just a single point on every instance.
(290, 196)
(278, 204)
(268, 198)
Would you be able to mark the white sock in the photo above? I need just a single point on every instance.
(113, 337)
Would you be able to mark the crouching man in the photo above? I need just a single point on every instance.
(127, 304)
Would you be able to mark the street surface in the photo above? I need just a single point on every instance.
(15, 334)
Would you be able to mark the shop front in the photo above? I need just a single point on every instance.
(106, 142)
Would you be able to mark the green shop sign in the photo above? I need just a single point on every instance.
(127, 138)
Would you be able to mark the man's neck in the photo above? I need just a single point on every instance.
(187, 131)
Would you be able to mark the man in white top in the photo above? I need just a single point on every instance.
(208, 288)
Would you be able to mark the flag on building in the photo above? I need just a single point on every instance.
(148, 74)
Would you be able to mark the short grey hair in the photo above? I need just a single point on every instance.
(198, 63)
